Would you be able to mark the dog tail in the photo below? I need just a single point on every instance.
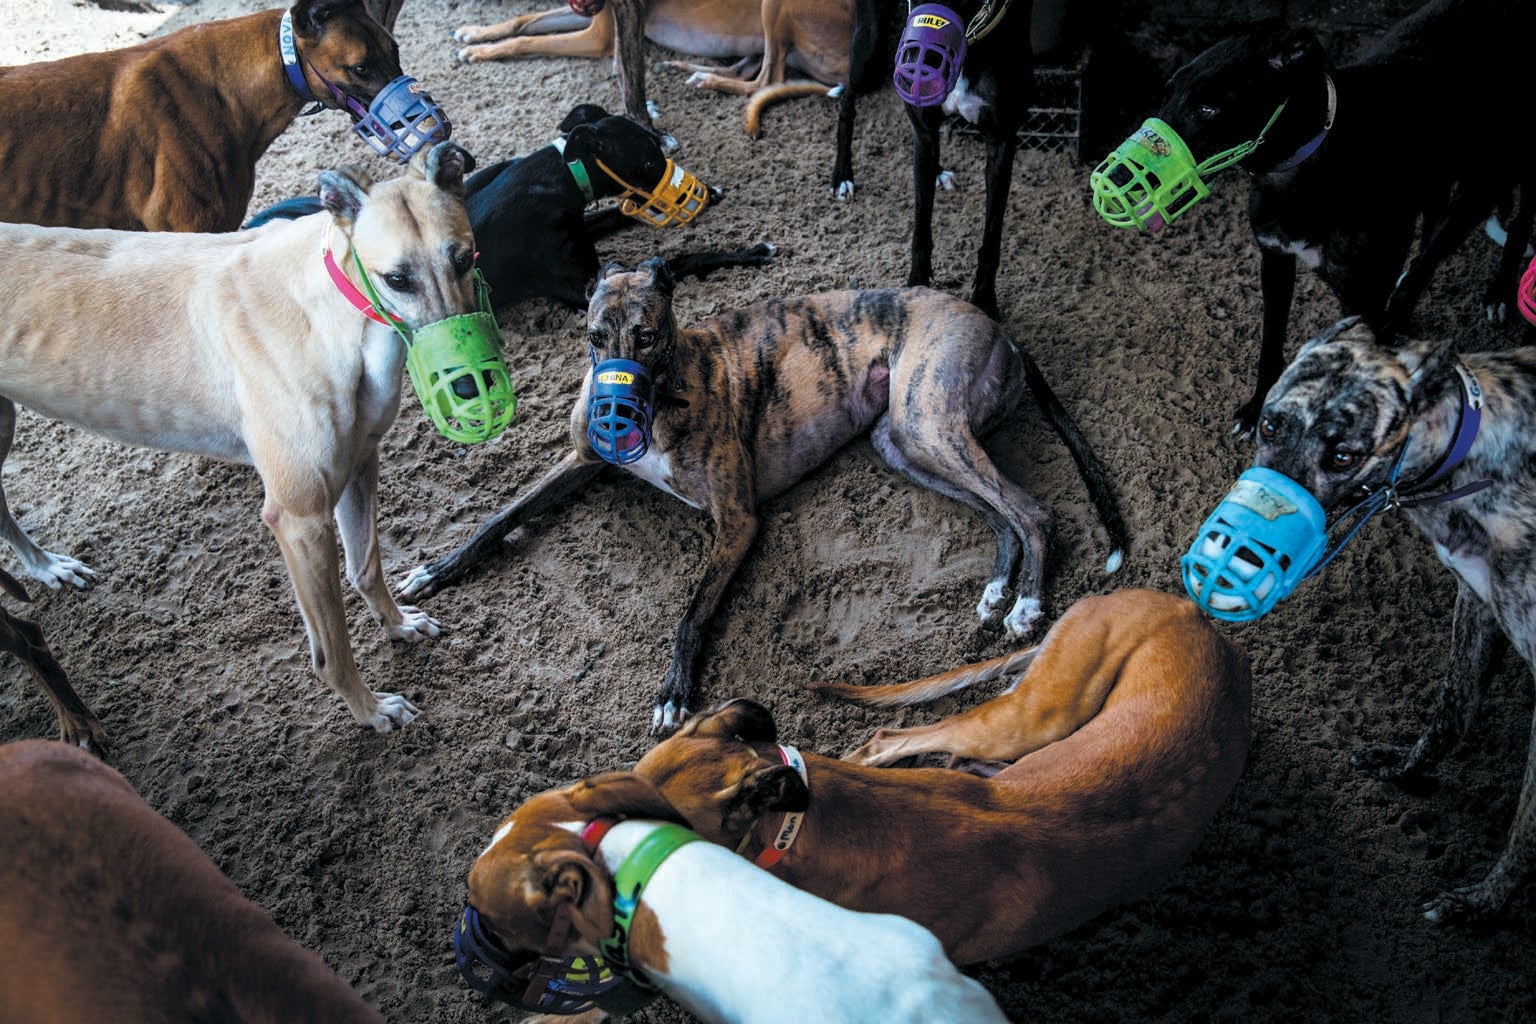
(773, 94)
(1095, 477)
(920, 691)
(288, 209)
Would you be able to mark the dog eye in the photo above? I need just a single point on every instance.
(464, 261)
(1206, 111)
(398, 280)
(360, 70)
(1267, 429)
(1341, 459)
(644, 337)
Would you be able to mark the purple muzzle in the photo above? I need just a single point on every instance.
(929, 55)
(402, 120)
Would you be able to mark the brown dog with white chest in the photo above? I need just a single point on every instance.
(1126, 734)
(108, 912)
(165, 135)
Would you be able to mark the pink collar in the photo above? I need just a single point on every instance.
(349, 291)
(789, 828)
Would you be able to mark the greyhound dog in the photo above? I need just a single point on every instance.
(1352, 415)
(109, 912)
(250, 352)
(165, 135)
(990, 60)
(537, 239)
(78, 724)
(748, 402)
(602, 868)
(1351, 157)
(1125, 734)
(769, 36)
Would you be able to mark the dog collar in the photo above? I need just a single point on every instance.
(789, 828)
(578, 171)
(629, 882)
(350, 292)
(1311, 146)
(290, 54)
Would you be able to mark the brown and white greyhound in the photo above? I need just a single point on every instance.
(1124, 735)
(770, 36)
(165, 135)
(751, 400)
(248, 351)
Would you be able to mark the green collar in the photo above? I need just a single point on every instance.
(629, 883)
(578, 171)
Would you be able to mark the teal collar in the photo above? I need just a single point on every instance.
(629, 883)
(578, 171)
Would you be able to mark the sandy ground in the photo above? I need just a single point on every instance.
(1300, 904)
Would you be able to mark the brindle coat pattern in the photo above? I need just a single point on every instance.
(750, 401)
(165, 135)
(1336, 422)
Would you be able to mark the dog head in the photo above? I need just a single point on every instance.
(1337, 419)
(629, 160)
(342, 45)
(536, 864)
(1227, 95)
(723, 772)
(411, 233)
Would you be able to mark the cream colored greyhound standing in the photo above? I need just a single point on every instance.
(241, 347)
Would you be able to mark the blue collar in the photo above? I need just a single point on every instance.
(1311, 146)
(290, 54)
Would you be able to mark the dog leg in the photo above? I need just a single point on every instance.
(44, 566)
(735, 529)
(308, 543)
(568, 475)
(702, 264)
(861, 47)
(594, 40)
(357, 516)
(628, 30)
(1277, 288)
(540, 23)
(1001, 150)
(925, 173)
(78, 725)
(1475, 640)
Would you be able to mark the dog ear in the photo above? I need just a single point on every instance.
(622, 794)
(343, 192)
(661, 275)
(773, 787)
(570, 878)
(741, 719)
(1351, 328)
(582, 113)
(310, 16)
(445, 165)
(1425, 360)
(1297, 50)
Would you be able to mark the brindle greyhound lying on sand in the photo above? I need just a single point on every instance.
(748, 402)
(249, 351)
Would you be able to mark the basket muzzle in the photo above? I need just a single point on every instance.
(929, 55)
(1264, 538)
(619, 405)
(547, 984)
(1152, 178)
(588, 8)
(402, 120)
(676, 199)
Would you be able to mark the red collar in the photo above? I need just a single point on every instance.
(596, 830)
(789, 828)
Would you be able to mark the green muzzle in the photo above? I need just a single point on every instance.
(457, 369)
(1152, 178)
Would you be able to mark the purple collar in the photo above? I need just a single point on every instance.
(1310, 146)
(1468, 419)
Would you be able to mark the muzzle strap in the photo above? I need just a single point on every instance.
(289, 51)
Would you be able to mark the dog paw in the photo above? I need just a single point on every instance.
(655, 113)
(668, 715)
(1467, 905)
(414, 626)
(1022, 618)
(947, 181)
(1384, 762)
(843, 190)
(473, 34)
(391, 712)
(56, 570)
(421, 582)
(993, 600)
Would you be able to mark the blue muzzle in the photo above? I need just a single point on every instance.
(402, 120)
(619, 406)
(563, 985)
